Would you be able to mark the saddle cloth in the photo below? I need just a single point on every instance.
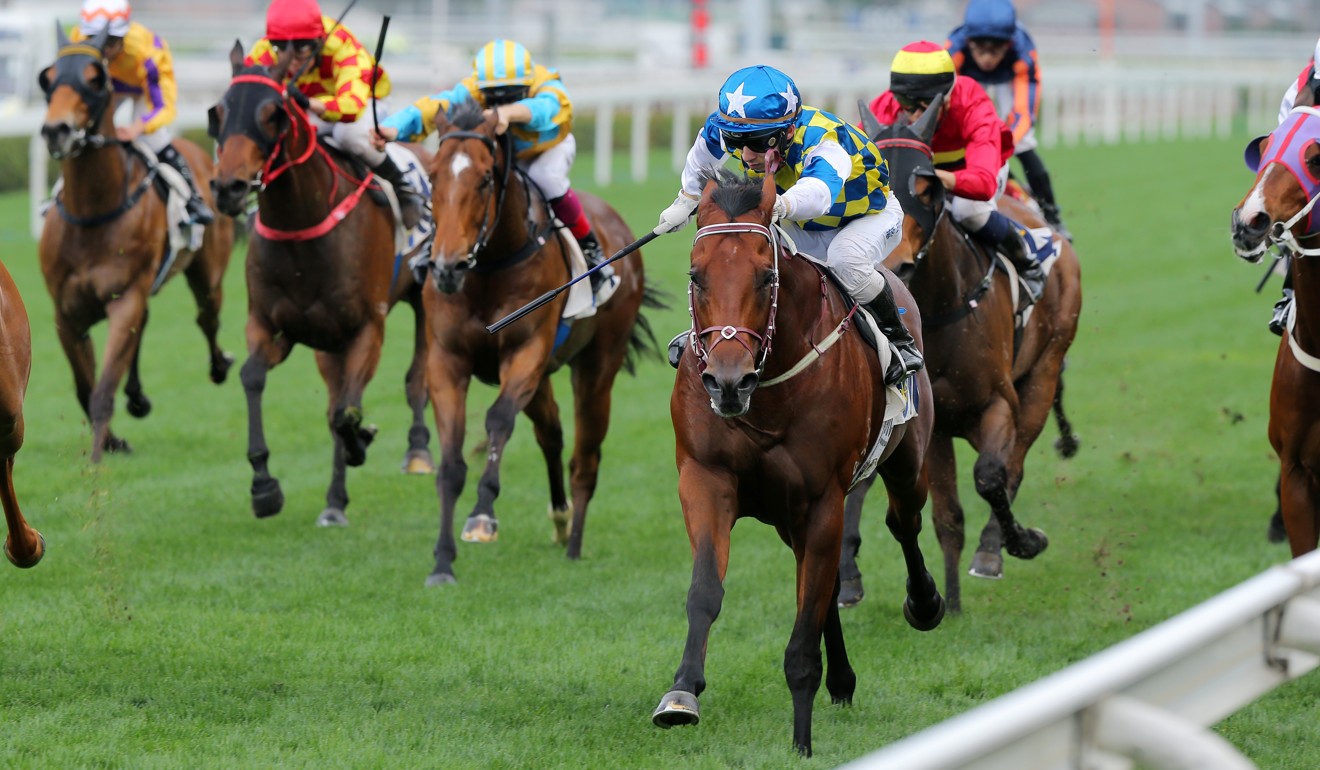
(581, 303)
(185, 236)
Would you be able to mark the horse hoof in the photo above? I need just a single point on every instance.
(267, 498)
(1277, 533)
(845, 702)
(1067, 446)
(850, 593)
(1030, 544)
(30, 561)
(987, 565)
(117, 445)
(924, 624)
(440, 579)
(562, 519)
(139, 406)
(332, 517)
(220, 369)
(676, 708)
(418, 462)
(481, 528)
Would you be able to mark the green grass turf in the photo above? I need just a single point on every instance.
(169, 628)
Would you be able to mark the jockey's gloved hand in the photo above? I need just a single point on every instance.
(298, 96)
(676, 217)
(781, 209)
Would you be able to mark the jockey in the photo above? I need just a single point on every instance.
(971, 148)
(141, 67)
(337, 89)
(994, 50)
(834, 199)
(528, 101)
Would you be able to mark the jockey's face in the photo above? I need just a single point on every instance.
(297, 52)
(113, 47)
(754, 160)
(988, 52)
(914, 111)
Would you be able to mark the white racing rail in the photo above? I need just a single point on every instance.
(1147, 701)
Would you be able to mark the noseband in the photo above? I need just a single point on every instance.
(492, 215)
(271, 148)
(729, 332)
(97, 102)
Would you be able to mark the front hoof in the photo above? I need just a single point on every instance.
(418, 462)
(332, 517)
(1067, 446)
(676, 708)
(117, 445)
(440, 579)
(220, 368)
(139, 406)
(32, 560)
(1028, 544)
(267, 497)
(931, 619)
(481, 528)
(850, 593)
(987, 564)
(562, 519)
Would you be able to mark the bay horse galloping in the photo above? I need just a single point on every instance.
(104, 241)
(495, 250)
(321, 272)
(789, 456)
(1279, 209)
(24, 546)
(993, 382)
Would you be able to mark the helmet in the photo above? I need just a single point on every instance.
(110, 16)
(921, 71)
(990, 18)
(757, 103)
(294, 20)
(504, 71)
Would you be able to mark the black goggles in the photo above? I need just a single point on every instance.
(911, 104)
(300, 47)
(755, 142)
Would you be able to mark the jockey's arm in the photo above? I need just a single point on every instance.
(157, 70)
(351, 91)
(417, 121)
(983, 134)
(824, 170)
(1026, 87)
(705, 158)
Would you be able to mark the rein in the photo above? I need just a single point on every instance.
(131, 198)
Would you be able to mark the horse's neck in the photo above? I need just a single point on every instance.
(298, 196)
(804, 317)
(95, 180)
(1306, 293)
(510, 230)
(943, 277)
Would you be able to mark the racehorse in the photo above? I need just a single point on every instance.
(104, 241)
(321, 272)
(495, 250)
(993, 383)
(24, 545)
(788, 457)
(1278, 209)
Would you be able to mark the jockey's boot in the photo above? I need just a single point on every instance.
(592, 253)
(1009, 238)
(676, 347)
(906, 358)
(412, 205)
(197, 209)
(1051, 211)
(1280, 320)
(568, 207)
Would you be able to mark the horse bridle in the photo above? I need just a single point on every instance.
(928, 220)
(492, 215)
(269, 147)
(730, 332)
(97, 101)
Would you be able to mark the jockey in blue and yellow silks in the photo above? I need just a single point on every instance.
(142, 69)
(834, 198)
(528, 101)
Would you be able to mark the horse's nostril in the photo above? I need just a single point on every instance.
(748, 382)
(1260, 222)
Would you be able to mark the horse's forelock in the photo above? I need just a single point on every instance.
(733, 193)
(466, 115)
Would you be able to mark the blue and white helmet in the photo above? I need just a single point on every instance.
(993, 19)
(757, 102)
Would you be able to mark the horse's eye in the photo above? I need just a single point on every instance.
(487, 181)
(765, 280)
(698, 281)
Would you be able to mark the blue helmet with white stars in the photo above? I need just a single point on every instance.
(756, 105)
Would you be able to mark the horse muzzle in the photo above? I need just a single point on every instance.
(1249, 235)
(61, 140)
(230, 195)
(730, 393)
(449, 276)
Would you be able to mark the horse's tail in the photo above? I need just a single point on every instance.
(642, 341)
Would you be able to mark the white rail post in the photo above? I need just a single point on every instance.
(641, 139)
(36, 183)
(604, 143)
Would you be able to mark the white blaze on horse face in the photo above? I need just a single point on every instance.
(1255, 201)
(457, 165)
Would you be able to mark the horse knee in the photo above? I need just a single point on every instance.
(452, 476)
(252, 375)
(991, 475)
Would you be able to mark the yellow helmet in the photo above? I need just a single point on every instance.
(502, 63)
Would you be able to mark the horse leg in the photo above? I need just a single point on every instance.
(77, 344)
(353, 370)
(840, 679)
(206, 280)
(447, 378)
(710, 506)
(265, 350)
(138, 404)
(24, 546)
(998, 470)
(124, 316)
(947, 514)
(907, 486)
(1277, 533)
(418, 459)
(1299, 497)
(593, 381)
(544, 414)
(1068, 442)
(331, 367)
(850, 575)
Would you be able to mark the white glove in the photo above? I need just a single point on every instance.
(676, 217)
(780, 210)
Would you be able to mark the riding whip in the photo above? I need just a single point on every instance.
(1273, 266)
(375, 69)
(549, 295)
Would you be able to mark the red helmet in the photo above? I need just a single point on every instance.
(294, 20)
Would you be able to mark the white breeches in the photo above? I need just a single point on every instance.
(355, 137)
(973, 215)
(853, 251)
(549, 170)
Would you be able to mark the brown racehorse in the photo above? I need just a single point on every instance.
(1278, 209)
(789, 456)
(24, 546)
(321, 272)
(487, 261)
(993, 383)
(104, 240)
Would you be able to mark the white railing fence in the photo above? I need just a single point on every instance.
(1146, 700)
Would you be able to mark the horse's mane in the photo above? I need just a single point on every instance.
(466, 115)
(734, 193)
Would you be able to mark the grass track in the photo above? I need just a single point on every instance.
(168, 628)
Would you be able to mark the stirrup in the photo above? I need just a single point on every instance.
(903, 361)
(676, 347)
(1279, 321)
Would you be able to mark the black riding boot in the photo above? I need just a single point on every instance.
(908, 358)
(412, 206)
(592, 253)
(1042, 189)
(1008, 238)
(197, 208)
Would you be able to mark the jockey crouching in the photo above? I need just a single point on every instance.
(141, 67)
(529, 102)
(336, 89)
(834, 199)
(971, 148)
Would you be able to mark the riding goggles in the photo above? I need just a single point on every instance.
(756, 142)
(300, 47)
(911, 104)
